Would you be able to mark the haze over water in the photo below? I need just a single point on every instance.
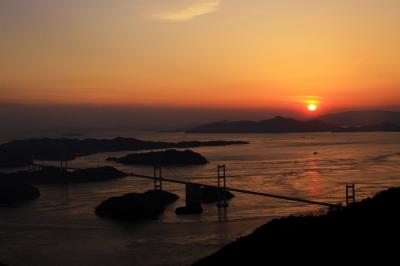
(61, 227)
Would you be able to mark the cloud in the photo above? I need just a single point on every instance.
(190, 12)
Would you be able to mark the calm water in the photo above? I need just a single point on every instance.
(60, 228)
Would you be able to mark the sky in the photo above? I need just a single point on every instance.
(242, 55)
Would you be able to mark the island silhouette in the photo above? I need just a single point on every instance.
(162, 158)
(24, 152)
(281, 124)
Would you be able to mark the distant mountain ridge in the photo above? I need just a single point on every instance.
(286, 125)
(361, 118)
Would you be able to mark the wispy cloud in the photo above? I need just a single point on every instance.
(190, 12)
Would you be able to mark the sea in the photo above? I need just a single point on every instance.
(61, 228)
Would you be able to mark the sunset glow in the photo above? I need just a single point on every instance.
(156, 132)
(246, 54)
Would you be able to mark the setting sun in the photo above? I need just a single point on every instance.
(312, 107)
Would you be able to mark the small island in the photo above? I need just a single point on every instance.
(54, 175)
(136, 206)
(162, 158)
(11, 193)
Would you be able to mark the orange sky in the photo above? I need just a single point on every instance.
(245, 54)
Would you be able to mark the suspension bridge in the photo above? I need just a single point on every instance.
(222, 187)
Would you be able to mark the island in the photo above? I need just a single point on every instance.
(162, 158)
(136, 206)
(287, 125)
(14, 160)
(361, 231)
(211, 194)
(55, 175)
(24, 152)
(14, 192)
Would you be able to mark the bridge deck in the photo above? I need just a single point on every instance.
(270, 195)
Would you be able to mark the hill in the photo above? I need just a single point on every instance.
(359, 232)
(275, 125)
(287, 125)
(361, 118)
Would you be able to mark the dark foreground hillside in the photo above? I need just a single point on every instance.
(367, 231)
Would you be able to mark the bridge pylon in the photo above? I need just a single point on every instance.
(63, 164)
(221, 189)
(157, 178)
(350, 194)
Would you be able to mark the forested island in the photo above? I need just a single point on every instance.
(136, 206)
(14, 192)
(24, 152)
(162, 158)
(55, 175)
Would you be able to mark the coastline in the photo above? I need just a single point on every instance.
(371, 225)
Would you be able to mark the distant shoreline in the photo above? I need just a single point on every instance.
(288, 132)
(287, 125)
(23, 152)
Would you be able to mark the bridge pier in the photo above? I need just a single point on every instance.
(350, 194)
(34, 168)
(193, 194)
(157, 178)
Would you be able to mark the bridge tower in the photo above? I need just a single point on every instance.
(350, 194)
(221, 189)
(157, 178)
(63, 164)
